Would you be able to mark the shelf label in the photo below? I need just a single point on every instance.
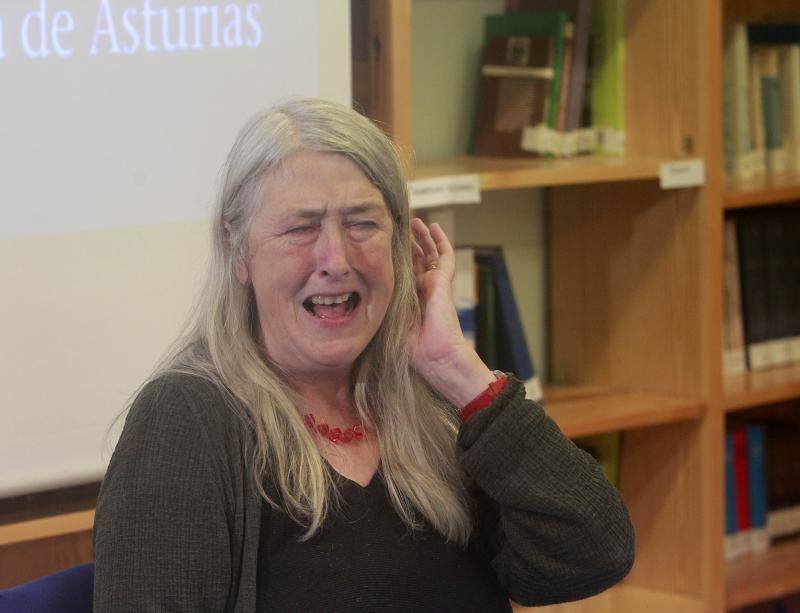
(440, 191)
(682, 173)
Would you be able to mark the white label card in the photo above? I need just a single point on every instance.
(682, 173)
(454, 189)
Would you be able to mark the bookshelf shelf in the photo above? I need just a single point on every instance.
(500, 173)
(757, 388)
(765, 191)
(772, 574)
(585, 411)
(46, 527)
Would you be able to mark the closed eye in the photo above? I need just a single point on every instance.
(301, 229)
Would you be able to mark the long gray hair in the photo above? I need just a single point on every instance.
(223, 342)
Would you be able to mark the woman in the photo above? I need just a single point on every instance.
(302, 448)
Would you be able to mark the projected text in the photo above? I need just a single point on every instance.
(131, 28)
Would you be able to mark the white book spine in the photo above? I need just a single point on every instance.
(790, 103)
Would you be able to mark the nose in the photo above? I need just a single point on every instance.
(332, 251)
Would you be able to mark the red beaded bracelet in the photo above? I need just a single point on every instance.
(484, 399)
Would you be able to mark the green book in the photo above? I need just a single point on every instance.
(771, 101)
(608, 70)
(552, 24)
(605, 449)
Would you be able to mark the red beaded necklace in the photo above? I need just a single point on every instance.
(336, 435)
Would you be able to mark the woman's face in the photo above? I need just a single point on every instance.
(319, 257)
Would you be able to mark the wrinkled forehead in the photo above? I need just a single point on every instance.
(315, 183)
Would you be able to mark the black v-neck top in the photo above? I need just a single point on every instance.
(180, 528)
(366, 559)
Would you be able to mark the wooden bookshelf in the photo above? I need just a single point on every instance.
(500, 173)
(765, 191)
(765, 576)
(758, 388)
(630, 318)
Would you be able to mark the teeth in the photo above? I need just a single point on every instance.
(331, 299)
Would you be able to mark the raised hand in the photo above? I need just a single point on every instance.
(437, 348)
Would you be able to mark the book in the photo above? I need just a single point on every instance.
(516, 77)
(792, 221)
(465, 295)
(541, 24)
(733, 357)
(769, 73)
(485, 316)
(773, 33)
(756, 479)
(733, 540)
(777, 285)
(511, 346)
(580, 13)
(736, 102)
(608, 69)
(790, 104)
(742, 489)
(563, 94)
(753, 274)
(605, 448)
(783, 474)
(521, 78)
(757, 134)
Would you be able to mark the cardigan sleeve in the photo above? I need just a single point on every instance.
(552, 526)
(162, 535)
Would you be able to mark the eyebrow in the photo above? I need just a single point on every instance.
(316, 213)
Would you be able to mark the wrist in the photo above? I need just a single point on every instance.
(461, 377)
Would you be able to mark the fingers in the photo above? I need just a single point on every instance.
(417, 258)
(443, 245)
(425, 242)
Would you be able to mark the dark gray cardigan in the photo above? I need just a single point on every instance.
(178, 524)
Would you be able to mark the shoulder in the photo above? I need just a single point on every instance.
(185, 403)
(182, 420)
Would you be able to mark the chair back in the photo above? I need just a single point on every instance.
(66, 591)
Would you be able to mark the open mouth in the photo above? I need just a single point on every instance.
(326, 307)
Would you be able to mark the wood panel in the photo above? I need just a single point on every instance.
(756, 388)
(772, 574)
(46, 527)
(611, 412)
(626, 270)
(504, 173)
(381, 39)
(762, 10)
(763, 191)
(662, 483)
(665, 59)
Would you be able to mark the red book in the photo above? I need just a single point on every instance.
(740, 475)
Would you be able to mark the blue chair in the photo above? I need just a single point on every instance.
(67, 591)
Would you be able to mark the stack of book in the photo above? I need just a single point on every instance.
(487, 311)
(761, 269)
(534, 79)
(761, 119)
(762, 485)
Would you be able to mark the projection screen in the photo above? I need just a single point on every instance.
(116, 116)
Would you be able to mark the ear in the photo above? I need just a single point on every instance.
(239, 265)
